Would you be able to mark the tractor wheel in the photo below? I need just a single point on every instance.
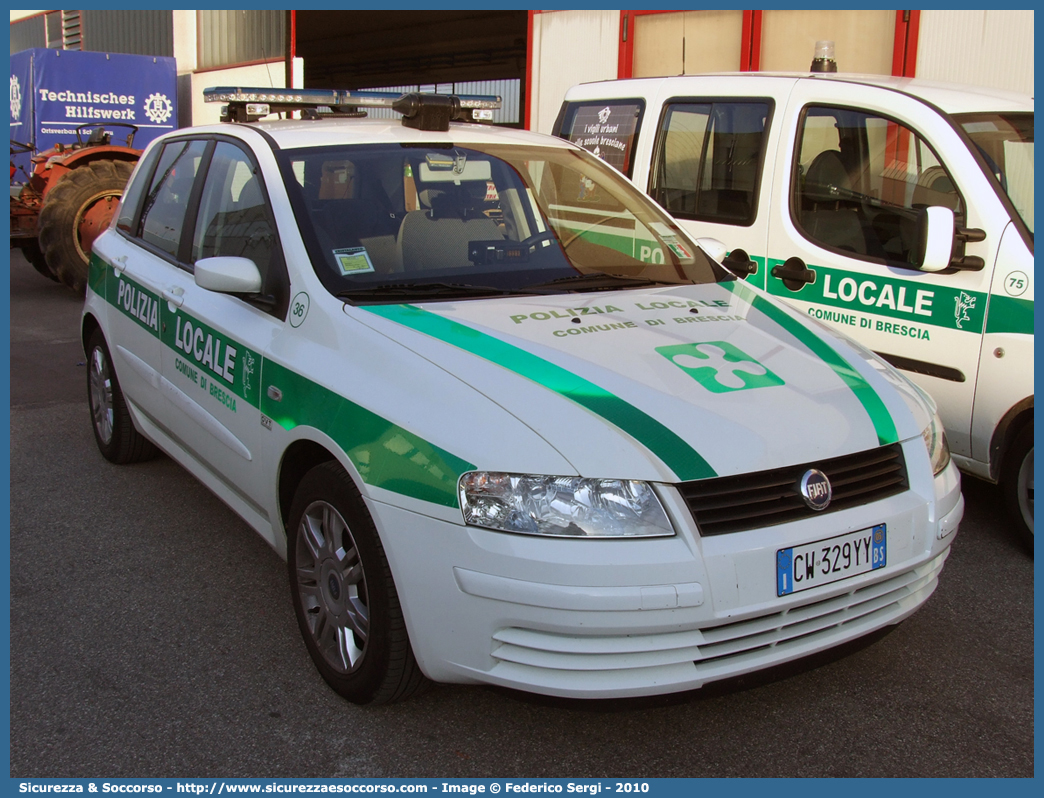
(75, 212)
(32, 252)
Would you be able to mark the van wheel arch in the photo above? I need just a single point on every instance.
(1011, 464)
(1005, 434)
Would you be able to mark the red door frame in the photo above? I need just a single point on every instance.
(750, 44)
(904, 58)
(291, 47)
(527, 100)
(904, 53)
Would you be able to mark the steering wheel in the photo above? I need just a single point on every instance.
(533, 240)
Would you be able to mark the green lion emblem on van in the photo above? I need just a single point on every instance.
(719, 366)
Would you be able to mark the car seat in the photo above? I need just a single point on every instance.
(437, 235)
(828, 214)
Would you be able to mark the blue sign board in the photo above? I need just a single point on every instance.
(55, 91)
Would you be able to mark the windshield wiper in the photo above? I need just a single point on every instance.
(595, 281)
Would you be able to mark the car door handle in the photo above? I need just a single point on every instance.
(794, 274)
(174, 295)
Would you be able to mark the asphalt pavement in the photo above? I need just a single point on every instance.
(152, 635)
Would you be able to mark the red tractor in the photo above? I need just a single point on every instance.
(69, 199)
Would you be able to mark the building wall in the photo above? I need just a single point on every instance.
(272, 74)
(864, 39)
(993, 48)
(27, 33)
(981, 48)
(569, 47)
(133, 31)
(239, 36)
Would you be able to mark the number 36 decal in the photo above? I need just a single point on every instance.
(298, 309)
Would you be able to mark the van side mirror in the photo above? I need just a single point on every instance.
(936, 233)
(228, 275)
(713, 247)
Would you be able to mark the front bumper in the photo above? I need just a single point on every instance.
(617, 618)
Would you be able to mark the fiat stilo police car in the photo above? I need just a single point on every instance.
(506, 421)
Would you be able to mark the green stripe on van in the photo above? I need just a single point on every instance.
(867, 396)
(678, 455)
(1010, 315)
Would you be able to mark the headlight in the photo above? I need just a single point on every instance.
(563, 506)
(935, 442)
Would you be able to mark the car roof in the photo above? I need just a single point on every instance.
(292, 133)
(950, 97)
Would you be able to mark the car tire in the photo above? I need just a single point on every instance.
(75, 212)
(1017, 484)
(114, 432)
(344, 597)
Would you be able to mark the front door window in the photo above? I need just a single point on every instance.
(861, 182)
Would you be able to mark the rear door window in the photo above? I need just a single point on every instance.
(163, 214)
(709, 157)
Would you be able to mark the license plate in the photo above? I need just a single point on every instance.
(817, 564)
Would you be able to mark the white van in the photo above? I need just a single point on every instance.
(895, 210)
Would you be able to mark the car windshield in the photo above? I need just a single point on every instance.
(389, 222)
(1006, 143)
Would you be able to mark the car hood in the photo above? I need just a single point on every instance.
(676, 383)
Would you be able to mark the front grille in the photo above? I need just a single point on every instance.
(749, 501)
(592, 663)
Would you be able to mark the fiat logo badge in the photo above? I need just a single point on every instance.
(815, 489)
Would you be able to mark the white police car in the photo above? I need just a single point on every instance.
(507, 422)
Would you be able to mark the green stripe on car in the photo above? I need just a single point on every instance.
(678, 455)
(386, 455)
(867, 396)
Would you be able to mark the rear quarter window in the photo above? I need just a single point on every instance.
(135, 189)
(606, 128)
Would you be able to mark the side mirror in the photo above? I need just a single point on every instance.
(936, 232)
(713, 247)
(228, 275)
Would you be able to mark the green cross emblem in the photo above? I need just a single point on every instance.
(719, 366)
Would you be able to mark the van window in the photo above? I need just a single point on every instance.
(708, 160)
(1005, 142)
(860, 182)
(606, 128)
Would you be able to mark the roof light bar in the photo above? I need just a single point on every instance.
(423, 111)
